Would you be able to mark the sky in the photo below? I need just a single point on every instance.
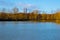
(42, 5)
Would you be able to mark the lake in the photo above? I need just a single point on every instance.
(29, 31)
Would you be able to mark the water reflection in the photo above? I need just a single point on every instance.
(29, 30)
(57, 21)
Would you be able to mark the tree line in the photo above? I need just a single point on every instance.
(31, 16)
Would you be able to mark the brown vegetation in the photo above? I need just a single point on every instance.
(33, 16)
(29, 16)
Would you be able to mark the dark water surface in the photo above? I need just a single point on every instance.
(29, 31)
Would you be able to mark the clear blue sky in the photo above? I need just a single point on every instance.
(43, 5)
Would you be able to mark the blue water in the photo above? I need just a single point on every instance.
(29, 31)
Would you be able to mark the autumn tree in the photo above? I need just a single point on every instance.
(4, 14)
(44, 15)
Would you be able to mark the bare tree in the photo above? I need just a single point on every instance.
(15, 10)
(3, 10)
(25, 10)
